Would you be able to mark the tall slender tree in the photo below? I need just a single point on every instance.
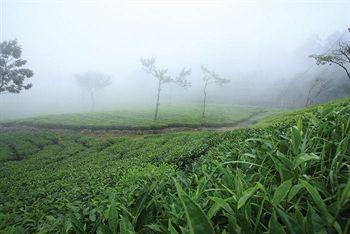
(162, 77)
(92, 82)
(210, 77)
(12, 73)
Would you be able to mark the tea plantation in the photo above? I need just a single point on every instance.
(189, 115)
(288, 174)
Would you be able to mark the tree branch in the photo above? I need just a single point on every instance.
(342, 66)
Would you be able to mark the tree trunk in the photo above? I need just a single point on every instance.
(92, 101)
(205, 98)
(157, 103)
(345, 69)
(308, 99)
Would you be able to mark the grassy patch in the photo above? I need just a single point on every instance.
(170, 116)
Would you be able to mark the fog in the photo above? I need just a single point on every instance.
(262, 47)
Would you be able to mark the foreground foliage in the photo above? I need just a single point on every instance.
(292, 176)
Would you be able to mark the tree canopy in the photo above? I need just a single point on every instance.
(339, 56)
(93, 81)
(12, 73)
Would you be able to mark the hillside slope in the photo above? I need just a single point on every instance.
(292, 175)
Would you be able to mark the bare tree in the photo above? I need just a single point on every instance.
(339, 56)
(12, 73)
(92, 82)
(210, 77)
(163, 78)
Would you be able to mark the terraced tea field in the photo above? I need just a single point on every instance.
(288, 174)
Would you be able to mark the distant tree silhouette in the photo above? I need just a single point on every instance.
(92, 82)
(148, 65)
(210, 77)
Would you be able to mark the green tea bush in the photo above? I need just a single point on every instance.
(291, 177)
(288, 175)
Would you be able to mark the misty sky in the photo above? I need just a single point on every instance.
(62, 38)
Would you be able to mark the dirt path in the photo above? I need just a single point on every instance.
(222, 128)
(243, 123)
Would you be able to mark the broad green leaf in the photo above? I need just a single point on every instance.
(196, 219)
(318, 224)
(113, 218)
(318, 201)
(282, 169)
(304, 158)
(293, 191)
(125, 226)
(286, 162)
(246, 195)
(222, 203)
(291, 225)
(171, 228)
(249, 155)
(213, 210)
(274, 226)
(233, 227)
(300, 125)
(155, 227)
(298, 216)
(295, 139)
(345, 195)
(321, 205)
(281, 192)
(308, 226)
